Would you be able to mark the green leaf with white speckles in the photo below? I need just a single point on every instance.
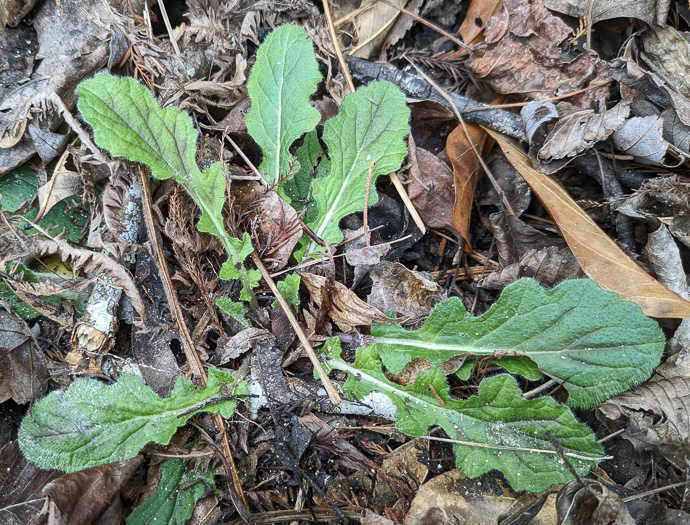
(591, 341)
(91, 423)
(496, 429)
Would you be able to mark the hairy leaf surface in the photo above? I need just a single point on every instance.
(499, 429)
(172, 501)
(370, 127)
(91, 423)
(591, 341)
(283, 78)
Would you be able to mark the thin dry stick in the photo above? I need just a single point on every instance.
(245, 159)
(486, 169)
(654, 491)
(429, 24)
(168, 27)
(187, 344)
(338, 52)
(352, 14)
(407, 202)
(552, 99)
(330, 389)
(365, 212)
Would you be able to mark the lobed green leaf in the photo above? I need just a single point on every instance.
(283, 78)
(591, 341)
(496, 429)
(370, 127)
(91, 423)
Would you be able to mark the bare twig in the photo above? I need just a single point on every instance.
(407, 202)
(187, 344)
(328, 385)
(168, 27)
(336, 46)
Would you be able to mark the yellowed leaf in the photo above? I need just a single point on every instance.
(599, 256)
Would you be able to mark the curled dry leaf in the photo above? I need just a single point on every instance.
(466, 172)
(62, 185)
(580, 130)
(93, 261)
(654, 417)
(431, 190)
(347, 310)
(523, 55)
(599, 256)
(642, 137)
(548, 266)
(589, 501)
(399, 289)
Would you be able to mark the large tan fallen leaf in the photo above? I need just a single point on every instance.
(599, 256)
(653, 12)
(347, 310)
(466, 171)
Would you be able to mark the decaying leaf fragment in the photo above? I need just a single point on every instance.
(655, 418)
(347, 310)
(522, 54)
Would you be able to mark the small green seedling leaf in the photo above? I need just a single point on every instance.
(172, 501)
(283, 78)
(91, 423)
(591, 341)
(496, 429)
(234, 309)
(370, 128)
(289, 288)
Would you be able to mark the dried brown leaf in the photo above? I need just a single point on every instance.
(21, 484)
(466, 172)
(581, 502)
(642, 137)
(82, 497)
(599, 256)
(580, 130)
(523, 54)
(373, 25)
(23, 372)
(347, 310)
(653, 12)
(654, 416)
(431, 189)
(399, 289)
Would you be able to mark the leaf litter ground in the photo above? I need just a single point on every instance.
(442, 372)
